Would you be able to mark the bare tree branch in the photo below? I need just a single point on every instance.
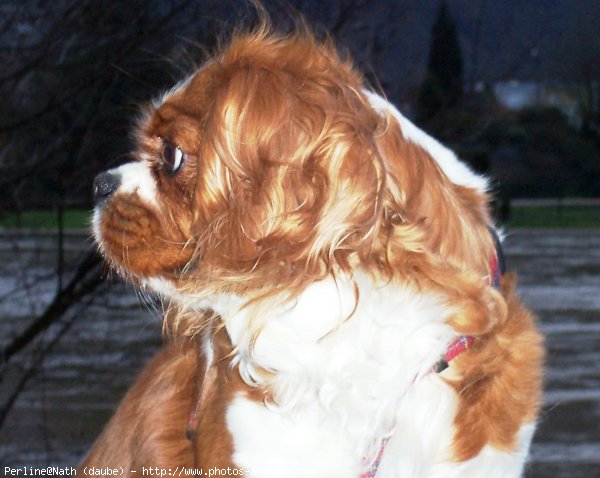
(85, 280)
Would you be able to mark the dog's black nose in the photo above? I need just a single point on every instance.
(105, 184)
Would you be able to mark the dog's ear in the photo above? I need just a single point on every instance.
(438, 215)
(295, 163)
(435, 230)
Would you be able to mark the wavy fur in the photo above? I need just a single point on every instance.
(327, 251)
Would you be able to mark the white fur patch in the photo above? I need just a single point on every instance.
(342, 384)
(162, 287)
(490, 463)
(423, 432)
(136, 179)
(272, 444)
(339, 378)
(96, 219)
(453, 168)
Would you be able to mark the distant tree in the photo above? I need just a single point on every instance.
(586, 71)
(537, 153)
(443, 84)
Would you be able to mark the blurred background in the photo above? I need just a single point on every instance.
(512, 86)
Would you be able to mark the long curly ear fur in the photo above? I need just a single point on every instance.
(293, 176)
(433, 232)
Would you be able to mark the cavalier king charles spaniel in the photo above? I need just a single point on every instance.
(332, 283)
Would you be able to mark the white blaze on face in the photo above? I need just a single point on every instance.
(135, 178)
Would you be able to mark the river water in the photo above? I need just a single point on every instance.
(63, 406)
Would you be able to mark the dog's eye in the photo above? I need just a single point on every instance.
(172, 156)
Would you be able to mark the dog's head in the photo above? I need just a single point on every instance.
(273, 166)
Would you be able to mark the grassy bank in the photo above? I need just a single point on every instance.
(554, 216)
(72, 219)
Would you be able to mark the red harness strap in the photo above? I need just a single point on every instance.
(456, 347)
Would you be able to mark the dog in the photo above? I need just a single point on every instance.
(332, 281)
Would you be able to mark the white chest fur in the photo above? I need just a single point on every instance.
(339, 377)
(343, 381)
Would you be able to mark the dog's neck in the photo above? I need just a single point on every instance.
(341, 357)
(345, 356)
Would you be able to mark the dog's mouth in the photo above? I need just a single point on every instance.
(126, 225)
(133, 239)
